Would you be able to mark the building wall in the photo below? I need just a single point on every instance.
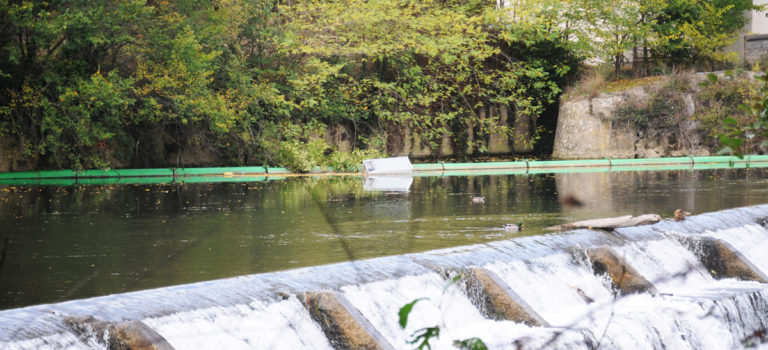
(755, 47)
(749, 43)
(759, 20)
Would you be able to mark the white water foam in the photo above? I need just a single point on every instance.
(750, 240)
(447, 308)
(53, 342)
(278, 325)
(551, 285)
(703, 314)
(642, 321)
(745, 312)
(667, 264)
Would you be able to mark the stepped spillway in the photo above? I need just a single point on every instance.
(696, 284)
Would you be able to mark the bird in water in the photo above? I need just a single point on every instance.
(477, 199)
(680, 214)
(513, 227)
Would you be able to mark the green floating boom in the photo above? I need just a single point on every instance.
(20, 175)
(256, 173)
(217, 179)
(563, 170)
(758, 158)
(38, 181)
(429, 167)
(145, 172)
(472, 172)
(222, 171)
(56, 174)
(657, 167)
(569, 163)
(97, 173)
(485, 166)
(652, 161)
(135, 180)
(718, 160)
(278, 171)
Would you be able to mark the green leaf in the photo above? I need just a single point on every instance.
(470, 344)
(730, 121)
(422, 336)
(732, 142)
(745, 107)
(712, 78)
(406, 310)
(452, 281)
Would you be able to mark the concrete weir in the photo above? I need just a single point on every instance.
(497, 300)
(624, 277)
(724, 261)
(688, 284)
(344, 326)
(132, 335)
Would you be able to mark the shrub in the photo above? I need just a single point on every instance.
(719, 99)
(301, 157)
(590, 84)
(351, 161)
(663, 110)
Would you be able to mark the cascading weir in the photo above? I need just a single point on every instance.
(695, 284)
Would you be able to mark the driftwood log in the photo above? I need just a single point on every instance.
(609, 223)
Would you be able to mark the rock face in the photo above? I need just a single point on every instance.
(587, 128)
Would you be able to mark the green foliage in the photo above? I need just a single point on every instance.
(750, 133)
(663, 111)
(131, 82)
(725, 117)
(421, 337)
(428, 65)
(301, 157)
(470, 344)
(88, 115)
(351, 161)
(87, 80)
(236, 77)
(405, 311)
(675, 33)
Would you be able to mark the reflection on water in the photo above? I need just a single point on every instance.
(75, 242)
(395, 183)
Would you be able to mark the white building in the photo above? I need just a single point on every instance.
(752, 43)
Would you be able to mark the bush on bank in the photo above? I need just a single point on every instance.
(141, 83)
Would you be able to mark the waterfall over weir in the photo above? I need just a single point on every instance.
(696, 284)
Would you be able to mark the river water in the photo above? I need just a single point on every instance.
(71, 242)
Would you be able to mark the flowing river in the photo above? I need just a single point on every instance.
(72, 242)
